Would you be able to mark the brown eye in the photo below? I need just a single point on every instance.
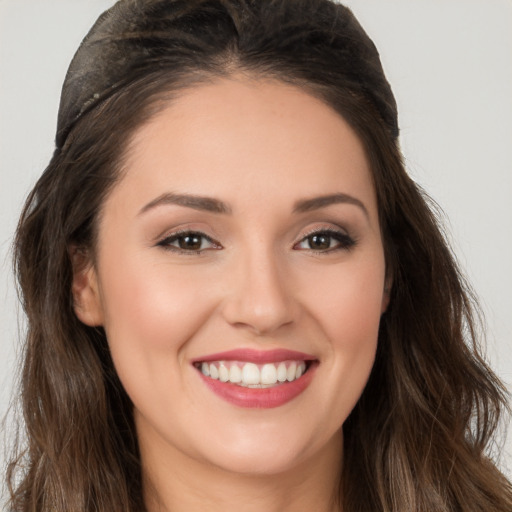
(326, 241)
(189, 241)
(319, 242)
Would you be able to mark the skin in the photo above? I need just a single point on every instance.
(259, 147)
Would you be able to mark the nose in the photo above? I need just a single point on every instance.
(260, 297)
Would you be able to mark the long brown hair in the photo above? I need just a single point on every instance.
(417, 439)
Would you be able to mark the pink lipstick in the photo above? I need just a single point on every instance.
(257, 379)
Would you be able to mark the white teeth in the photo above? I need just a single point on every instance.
(281, 372)
(214, 373)
(235, 374)
(223, 373)
(290, 374)
(268, 374)
(252, 375)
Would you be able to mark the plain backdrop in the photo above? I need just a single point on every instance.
(450, 65)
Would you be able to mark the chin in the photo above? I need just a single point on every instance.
(258, 462)
(265, 450)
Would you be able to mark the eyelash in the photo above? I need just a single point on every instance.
(167, 241)
(344, 241)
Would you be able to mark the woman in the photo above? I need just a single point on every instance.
(236, 296)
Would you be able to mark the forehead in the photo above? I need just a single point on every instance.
(262, 137)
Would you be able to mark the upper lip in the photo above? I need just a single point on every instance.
(256, 356)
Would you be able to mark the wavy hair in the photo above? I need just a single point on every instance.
(419, 437)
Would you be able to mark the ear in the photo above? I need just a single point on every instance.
(388, 284)
(84, 288)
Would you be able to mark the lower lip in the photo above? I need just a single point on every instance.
(260, 398)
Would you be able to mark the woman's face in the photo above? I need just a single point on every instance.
(240, 249)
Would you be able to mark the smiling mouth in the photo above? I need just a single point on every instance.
(252, 375)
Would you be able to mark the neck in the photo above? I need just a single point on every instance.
(178, 483)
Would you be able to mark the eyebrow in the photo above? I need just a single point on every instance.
(208, 204)
(307, 205)
(211, 204)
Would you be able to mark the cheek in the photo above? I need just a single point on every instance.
(347, 300)
(348, 313)
(152, 312)
(150, 309)
(356, 311)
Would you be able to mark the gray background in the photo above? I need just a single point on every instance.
(450, 65)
